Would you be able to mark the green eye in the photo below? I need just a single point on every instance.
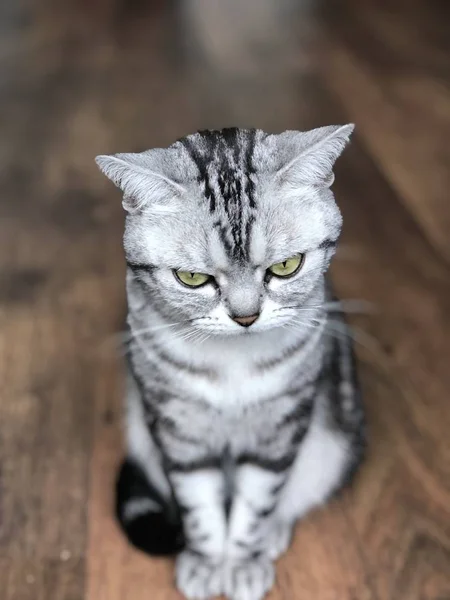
(288, 267)
(192, 279)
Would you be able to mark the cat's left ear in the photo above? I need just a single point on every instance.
(315, 151)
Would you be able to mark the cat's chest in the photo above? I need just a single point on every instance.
(236, 397)
(236, 425)
(244, 374)
(234, 373)
(237, 379)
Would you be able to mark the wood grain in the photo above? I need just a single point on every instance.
(82, 78)
(391, 72)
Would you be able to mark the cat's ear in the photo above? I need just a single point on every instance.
(315, 153)
(142, 179)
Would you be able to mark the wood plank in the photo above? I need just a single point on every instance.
(402, 113)
(52, 310)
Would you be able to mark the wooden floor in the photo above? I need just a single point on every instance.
(78, 78)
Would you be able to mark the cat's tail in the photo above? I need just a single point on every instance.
(150, 522)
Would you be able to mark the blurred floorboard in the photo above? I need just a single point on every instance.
(78, 78)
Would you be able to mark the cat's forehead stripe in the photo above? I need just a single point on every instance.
(224, 160)
(203, 176)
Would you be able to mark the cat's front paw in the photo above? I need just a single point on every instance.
(197, 578)
(250, 579)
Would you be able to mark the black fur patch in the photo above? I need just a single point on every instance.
(156, 533)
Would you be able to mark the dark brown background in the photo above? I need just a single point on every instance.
(88, 77)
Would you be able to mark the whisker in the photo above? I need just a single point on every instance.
(155, 328)
(351, 306)
(187, 335)
(206, 336)
(326, 323)
(360, 336)
(300, 306)
(379, 364)
(124, 337)
(196, 336)
(342, 330)
(345, 306)
(193, 335)
(140, 332)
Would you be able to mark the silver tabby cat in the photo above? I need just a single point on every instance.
(243, 412)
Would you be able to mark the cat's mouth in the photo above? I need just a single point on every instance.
(249, 326)
(243, 331)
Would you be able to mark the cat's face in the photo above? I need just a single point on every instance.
(227, 226)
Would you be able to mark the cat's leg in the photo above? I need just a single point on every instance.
(200, 493)
(249, 572)
(167, 503)
(258, 483)
(193, 461)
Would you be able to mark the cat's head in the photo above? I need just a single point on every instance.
(225, 226)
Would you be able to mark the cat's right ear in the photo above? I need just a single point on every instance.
(142, 179)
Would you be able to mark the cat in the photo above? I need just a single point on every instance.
(243, 412)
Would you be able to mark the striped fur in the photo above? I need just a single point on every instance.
(233, 432)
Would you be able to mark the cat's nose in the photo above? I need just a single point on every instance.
(246, 321)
